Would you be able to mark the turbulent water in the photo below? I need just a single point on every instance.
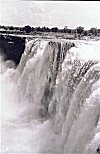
(50, 102)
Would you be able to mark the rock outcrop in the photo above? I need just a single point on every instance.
(12, 47)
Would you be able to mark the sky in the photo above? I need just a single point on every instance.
(50, 13)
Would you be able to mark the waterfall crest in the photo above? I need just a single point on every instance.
(56, 85)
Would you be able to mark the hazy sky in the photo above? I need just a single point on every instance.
(52, 13)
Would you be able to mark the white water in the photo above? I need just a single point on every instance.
(51, 102)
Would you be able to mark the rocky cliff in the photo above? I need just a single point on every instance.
(12, 47)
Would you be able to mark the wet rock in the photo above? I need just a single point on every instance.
(12, 47)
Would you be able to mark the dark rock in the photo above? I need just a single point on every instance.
(98, 150)
(12, 47)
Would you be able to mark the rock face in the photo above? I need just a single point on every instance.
(12, 47)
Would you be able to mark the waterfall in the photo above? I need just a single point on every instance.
(50, 102)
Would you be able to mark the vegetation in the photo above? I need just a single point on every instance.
(27, 29)
(32, 30)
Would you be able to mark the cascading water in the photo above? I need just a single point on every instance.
(51, 101)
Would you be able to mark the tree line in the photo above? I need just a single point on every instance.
(28, 29)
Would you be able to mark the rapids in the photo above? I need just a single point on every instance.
(50, 102)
